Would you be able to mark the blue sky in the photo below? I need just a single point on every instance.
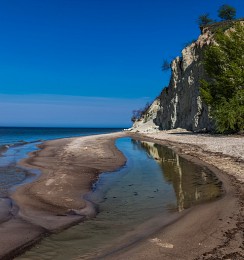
(62, 53)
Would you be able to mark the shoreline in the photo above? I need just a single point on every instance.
(54, 201)
(210, 230)
(52, 218)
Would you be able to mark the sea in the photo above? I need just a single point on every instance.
(17, 142)
(21, 135)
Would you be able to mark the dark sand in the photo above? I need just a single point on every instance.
(209, 231)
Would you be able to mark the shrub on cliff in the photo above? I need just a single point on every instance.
(227, 12)
(204, 20)
(224, 92)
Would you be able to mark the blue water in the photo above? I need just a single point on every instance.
(19, 135)
(17, 142)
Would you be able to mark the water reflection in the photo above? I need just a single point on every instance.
(192, 184)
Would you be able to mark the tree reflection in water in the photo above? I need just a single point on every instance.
(192, 183)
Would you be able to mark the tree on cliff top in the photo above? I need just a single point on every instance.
(224, 92)
(204, 20)
(227, 12)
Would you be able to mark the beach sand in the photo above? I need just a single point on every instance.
(55, 200)
(69, 166)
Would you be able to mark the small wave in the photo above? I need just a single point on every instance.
(5, 147)
(22, 142)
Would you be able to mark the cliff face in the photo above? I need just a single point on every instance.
(180, 103)
(145, 123)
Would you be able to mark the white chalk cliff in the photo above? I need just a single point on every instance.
(179, 105)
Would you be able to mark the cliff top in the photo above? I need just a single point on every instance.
(223, 25)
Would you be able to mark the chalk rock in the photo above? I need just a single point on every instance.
(179, 105)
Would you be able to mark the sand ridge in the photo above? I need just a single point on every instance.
(55, 200)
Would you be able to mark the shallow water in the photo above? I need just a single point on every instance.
(10, 173)
(155, 184)
(17, 142)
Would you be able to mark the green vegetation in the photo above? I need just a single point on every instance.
(227, 12)
(204, 20)
(223, 26)
(224, 91)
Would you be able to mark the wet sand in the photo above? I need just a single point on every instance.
(69, 166)
(55, 200)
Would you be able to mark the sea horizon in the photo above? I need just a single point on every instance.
(10, 135)
(70, 127)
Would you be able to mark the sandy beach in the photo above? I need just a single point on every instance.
(68, 167)
(55, 200)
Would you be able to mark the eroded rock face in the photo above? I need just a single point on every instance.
(180, 103)
(150, 115)
(145, 124)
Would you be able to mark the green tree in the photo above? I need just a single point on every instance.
(204, 20)
(227, 12)
(224, 91)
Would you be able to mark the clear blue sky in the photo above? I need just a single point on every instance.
(56, 51)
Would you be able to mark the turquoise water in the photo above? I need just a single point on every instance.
(17, 142)
(133, 202)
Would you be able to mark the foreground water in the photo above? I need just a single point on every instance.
(154, 185)
(17, 142)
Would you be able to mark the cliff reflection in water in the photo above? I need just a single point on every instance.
(192, 183)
